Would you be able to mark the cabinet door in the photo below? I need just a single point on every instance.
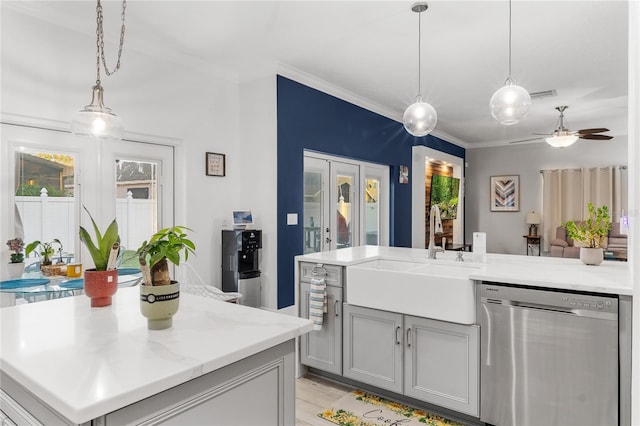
(323, 349)
(373, 347)
(441, 363)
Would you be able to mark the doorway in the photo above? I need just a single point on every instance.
(427, 162)
(346, 203)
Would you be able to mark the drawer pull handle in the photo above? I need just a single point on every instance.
(397, 338)
(408, 337)
(335, 307)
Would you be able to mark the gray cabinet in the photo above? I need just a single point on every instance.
(433, 361)
(372, 347)
(322, 349)
(441, 361)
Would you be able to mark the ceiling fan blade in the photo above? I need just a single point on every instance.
(543, 134)
(525, 140)
(596, 137)
(589, 131)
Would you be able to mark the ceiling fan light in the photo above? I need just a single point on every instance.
(420, 118)
(510, 104)
(561, 141)
(96, 119)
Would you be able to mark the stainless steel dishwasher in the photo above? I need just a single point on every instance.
(547, 357)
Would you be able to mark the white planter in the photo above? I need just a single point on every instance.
(15, 270)
(591, 256)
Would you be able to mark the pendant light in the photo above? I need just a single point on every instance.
(419, 118)
(510, 103)
(96, 119)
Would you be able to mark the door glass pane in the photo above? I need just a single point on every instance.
(136, 204)
(372, 211)
(45, 198)
(312, 211)
(344, 213)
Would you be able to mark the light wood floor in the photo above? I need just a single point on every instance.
(313, 395)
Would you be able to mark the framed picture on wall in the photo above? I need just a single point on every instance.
(505, 193)
(404, 174)
(215, 164)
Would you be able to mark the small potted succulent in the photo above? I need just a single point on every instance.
(159, 295)
(591, 234)
(16, 265)
(47, 250)
(101, 282)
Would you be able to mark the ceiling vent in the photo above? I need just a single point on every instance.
(543, 94)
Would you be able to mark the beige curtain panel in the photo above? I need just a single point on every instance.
(566, 192)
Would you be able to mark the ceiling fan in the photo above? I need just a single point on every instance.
(563, 137)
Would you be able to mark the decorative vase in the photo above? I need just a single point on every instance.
(158, 303)
(591, 256)
(100, 286)
(16, 270)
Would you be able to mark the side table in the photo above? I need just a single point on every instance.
(532, 241)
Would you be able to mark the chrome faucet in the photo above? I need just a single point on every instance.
(433, 249)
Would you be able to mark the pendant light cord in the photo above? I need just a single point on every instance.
(419, 50)
(509, 39)
(100, 41)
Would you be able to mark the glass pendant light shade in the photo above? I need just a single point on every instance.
(561, 141)
(420, 118)
(510, 103)
(96, 119)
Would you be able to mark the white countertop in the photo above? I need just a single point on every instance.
(612, 277)
(86, 362)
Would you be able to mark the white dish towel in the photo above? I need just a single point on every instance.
(317, 302)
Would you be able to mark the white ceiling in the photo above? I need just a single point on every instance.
(367, 50)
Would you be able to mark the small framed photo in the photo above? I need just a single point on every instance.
(403, 176)
(215, 164)
(505, 193)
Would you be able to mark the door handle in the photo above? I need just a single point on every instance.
(409, 337)
(335, 307)
(397, 338)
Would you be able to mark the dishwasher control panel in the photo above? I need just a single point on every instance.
(527, 296)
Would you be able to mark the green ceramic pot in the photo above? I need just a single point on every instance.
(159, 304)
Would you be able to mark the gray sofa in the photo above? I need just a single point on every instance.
(615, 246)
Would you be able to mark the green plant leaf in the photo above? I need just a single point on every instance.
(98, 260)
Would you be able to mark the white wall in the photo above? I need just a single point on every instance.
(256, 166)
(505, 229)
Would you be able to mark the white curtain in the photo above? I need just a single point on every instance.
(566, 192)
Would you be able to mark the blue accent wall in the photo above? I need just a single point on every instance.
(313, 120)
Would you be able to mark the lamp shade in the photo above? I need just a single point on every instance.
(96, 119)
(533, 218)
(561, 141)
(420, 118)
(510, 103)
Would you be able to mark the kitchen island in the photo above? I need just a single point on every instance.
(63, 362)
(417, 327)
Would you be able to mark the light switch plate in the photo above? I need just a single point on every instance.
(292, 218)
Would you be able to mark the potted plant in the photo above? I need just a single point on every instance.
(16, 265)
(46, 250)
(591, 234)
(101, 282)
(159, 295)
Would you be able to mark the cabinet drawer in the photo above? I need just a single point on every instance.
(333, 275)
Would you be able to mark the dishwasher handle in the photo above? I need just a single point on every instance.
(550, 308)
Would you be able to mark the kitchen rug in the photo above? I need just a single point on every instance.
(360, 408)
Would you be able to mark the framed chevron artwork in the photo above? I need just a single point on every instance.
(505, 193)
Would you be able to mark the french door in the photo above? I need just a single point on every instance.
(47, 176)
(345, 203)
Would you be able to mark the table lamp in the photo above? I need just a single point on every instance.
(533, 220)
